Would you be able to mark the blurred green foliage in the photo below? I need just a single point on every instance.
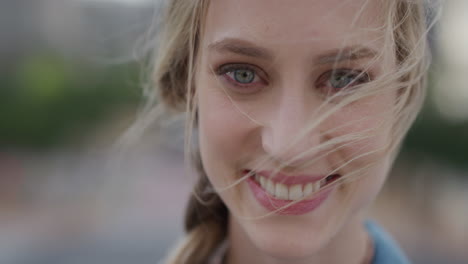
(435, 137)
(45, 99)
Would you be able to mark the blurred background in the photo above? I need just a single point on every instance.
(70, 83)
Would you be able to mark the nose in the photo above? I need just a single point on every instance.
(287, 137)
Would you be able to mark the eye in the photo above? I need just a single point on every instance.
(244, 77)
(336, 80)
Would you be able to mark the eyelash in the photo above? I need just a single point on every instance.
(357, 77)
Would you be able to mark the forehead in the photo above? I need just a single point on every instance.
(315, 23)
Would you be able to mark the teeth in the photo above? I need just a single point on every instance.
(285, 192)
(262, 182)
(295, 192)
(281, 191)
(270, 187)
(308, 189)
(316, 186)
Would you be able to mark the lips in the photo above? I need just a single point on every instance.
(279, 190)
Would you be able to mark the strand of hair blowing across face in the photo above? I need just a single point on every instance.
(205, 224)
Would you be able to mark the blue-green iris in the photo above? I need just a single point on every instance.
(244, 76)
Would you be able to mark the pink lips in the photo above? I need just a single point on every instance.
(298, 208)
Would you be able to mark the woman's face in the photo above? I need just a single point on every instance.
(266, 72)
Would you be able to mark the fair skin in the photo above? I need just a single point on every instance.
(287, 47)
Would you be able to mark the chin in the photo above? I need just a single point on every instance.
(287, 237)
(290, 249)
(288, 244)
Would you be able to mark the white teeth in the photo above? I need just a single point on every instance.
(270, 187)
(316, 186)
(295, 192)
(285, 192)
(281, 191)
(262, 182)
(308, 189)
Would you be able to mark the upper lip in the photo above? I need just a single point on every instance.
(290, 179)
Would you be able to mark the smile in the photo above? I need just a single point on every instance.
(277, 191)
(291, 187)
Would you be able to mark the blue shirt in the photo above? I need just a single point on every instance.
(386, 250)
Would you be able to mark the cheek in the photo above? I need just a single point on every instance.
(366, 155)
(225, 143)
(368, 141)
(223, 134)
(368, 126)
(366, 188)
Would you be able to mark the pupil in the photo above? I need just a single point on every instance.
(244, 76)
(340, 81)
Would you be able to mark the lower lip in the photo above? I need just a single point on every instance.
(298, 208)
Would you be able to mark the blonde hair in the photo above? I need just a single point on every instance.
(174, 65)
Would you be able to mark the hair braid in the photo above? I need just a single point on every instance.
(206, 219)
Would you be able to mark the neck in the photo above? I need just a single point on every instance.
(349, 245)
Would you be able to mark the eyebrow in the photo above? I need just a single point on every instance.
(240, 47)
(351, 53)
(248, 49)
